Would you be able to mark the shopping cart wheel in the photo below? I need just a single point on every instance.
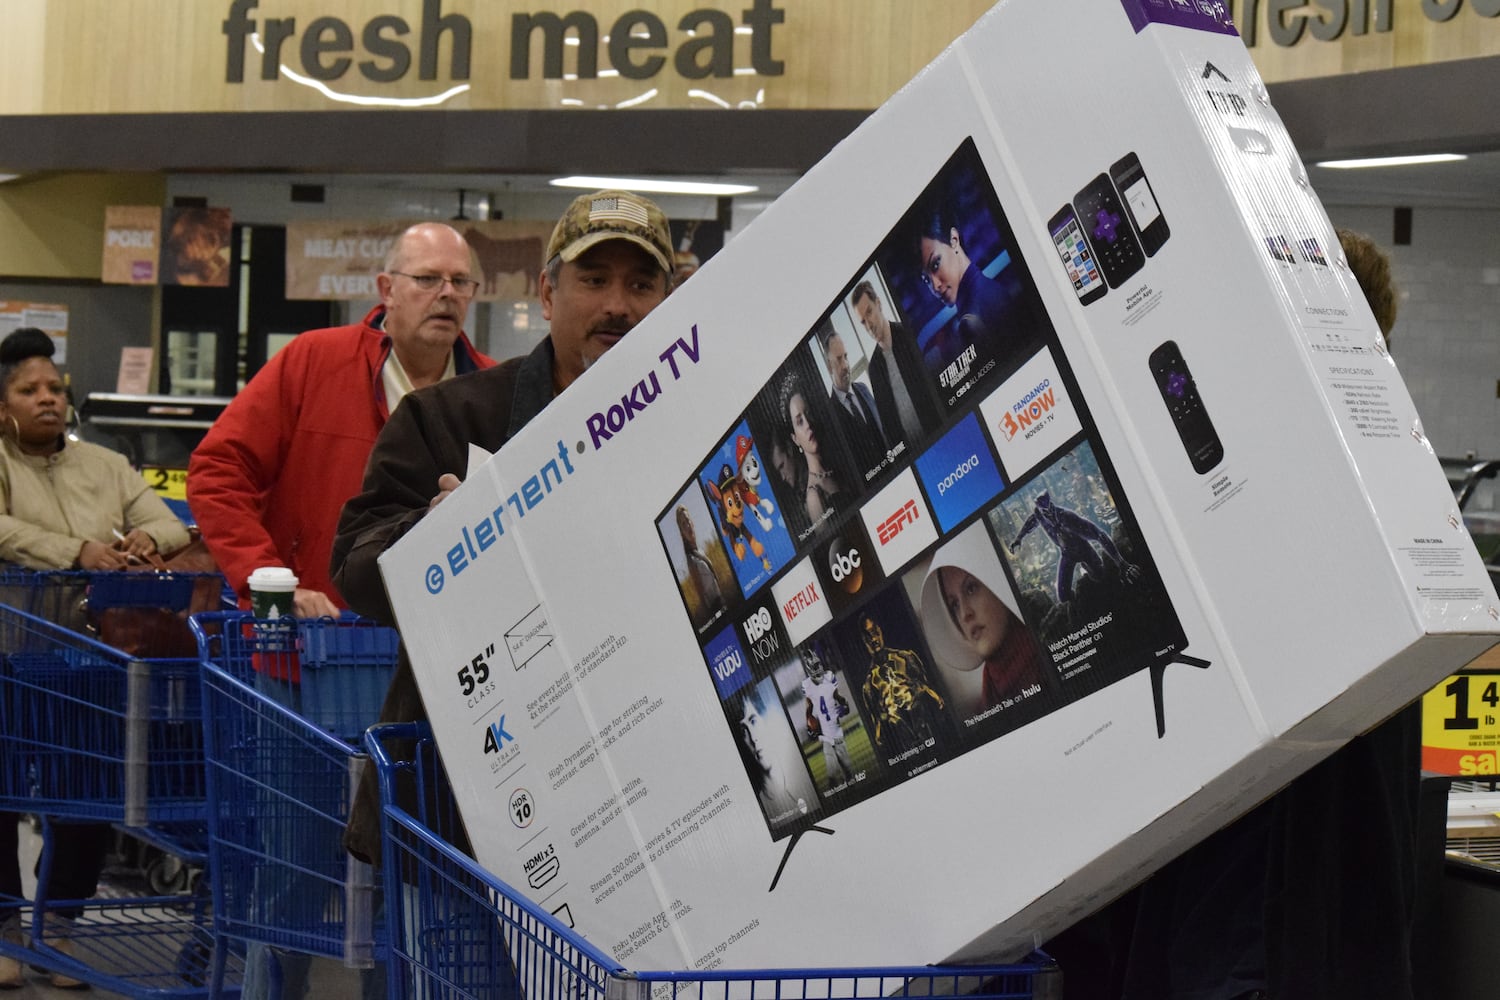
(167, 875)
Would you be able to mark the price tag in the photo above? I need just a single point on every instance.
(169, 484)
(1461, 725)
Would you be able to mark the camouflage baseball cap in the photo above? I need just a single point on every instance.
(612, 215)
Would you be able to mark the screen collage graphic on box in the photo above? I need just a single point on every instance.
(912, 542)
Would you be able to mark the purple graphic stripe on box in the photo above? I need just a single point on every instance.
(1203, 15)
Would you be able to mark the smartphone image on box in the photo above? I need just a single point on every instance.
(1108, 230)
(1077, 256)
(1180, 393)
(1140, 201)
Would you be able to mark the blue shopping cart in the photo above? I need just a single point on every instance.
(93, 733)
(285, 705)
(459, 933)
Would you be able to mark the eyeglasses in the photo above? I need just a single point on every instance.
(432, 282)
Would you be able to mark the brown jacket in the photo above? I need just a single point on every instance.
(427, 436)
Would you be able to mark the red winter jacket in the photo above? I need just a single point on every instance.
(268, 481)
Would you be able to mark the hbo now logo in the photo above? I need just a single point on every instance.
(965, 467)
(758, 624)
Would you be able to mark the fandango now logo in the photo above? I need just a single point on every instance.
(1029, 410)
(476, 539)
(965, 467)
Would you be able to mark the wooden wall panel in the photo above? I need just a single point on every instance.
(169, 56)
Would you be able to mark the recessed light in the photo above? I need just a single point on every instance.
(654, 186)
(1391, 161)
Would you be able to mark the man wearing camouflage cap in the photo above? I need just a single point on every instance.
(608, 263)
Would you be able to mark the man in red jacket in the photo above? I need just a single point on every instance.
(267, 482)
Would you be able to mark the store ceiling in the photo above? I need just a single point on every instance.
(1471, 183)
(1474, 182)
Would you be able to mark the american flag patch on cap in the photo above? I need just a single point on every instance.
(618, 210)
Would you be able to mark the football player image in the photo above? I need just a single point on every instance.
(825, 709)
(896, 695)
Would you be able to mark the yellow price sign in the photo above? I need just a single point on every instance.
(169, 484)
(1461, 725)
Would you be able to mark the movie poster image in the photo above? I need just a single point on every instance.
(897, 691)
(959, 280)
(195, 246)
(985, 654)
(1085, 579)
(843, 368)
(698, 558)
(836, 744)
(813, 472)
(771, 754)
(744, 510)
(897, 375)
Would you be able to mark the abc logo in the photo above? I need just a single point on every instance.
(758, 624)
(843, 565)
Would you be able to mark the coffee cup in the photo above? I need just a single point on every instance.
(271, 592)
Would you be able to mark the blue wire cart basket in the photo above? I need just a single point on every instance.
(457, 931)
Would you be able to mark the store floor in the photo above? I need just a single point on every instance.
(330, 980)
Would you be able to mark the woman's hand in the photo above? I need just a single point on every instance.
(137, 546)
(99, 556)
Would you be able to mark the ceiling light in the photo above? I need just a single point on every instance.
(654, 187)
(1392, 161)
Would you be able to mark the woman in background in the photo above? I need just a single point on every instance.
(63, 505)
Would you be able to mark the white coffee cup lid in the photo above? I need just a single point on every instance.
(274, 578)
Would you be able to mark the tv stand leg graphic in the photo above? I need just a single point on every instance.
(1158, 675)
(787, 854)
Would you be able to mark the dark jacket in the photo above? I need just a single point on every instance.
(427, 436)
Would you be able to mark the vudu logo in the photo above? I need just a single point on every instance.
(965, 467)
(726, 663)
